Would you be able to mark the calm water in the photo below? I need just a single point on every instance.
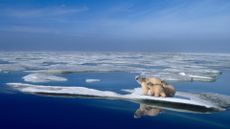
(19, 110)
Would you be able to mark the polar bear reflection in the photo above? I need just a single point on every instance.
(146, 110)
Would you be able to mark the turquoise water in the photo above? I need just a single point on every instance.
(20, 110)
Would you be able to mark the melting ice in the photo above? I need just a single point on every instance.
(168, 66)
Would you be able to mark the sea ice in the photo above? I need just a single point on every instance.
(183, 101)
(42, 77)
(168, 66)
(92, 80)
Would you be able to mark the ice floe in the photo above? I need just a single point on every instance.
(168, 66)
(42, 77)
(92, 80)
(183, 101)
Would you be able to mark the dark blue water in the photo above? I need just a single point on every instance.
(26, 111)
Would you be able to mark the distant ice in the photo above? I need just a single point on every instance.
(168, 66)
(42, 77)
(181, 102)
(11, 67)
(92, 80)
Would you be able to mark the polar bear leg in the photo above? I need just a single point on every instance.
(152, 91)
(169, 90)
(145, 90)
(157, 94)
(156, 91)
(162, 94)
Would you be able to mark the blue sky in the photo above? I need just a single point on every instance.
(115, 25)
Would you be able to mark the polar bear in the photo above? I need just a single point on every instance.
(155, 86)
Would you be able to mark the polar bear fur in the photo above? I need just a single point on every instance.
(155, 87)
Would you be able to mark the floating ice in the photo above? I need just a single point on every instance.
(92, 80)
(11, 67)
(199, 103)
(168, 66)
(81, 91)
(42, 77)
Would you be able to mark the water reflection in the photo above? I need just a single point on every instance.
(146, 110)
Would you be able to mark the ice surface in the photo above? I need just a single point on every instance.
(168, 66)
(181, 102)
(42, 77)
